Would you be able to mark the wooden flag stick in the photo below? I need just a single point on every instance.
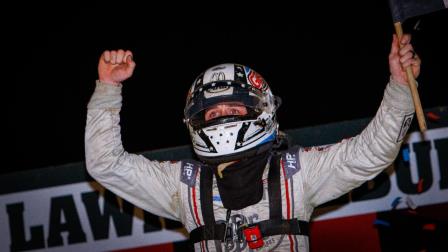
(412, 85)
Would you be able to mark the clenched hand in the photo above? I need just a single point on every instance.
(400, 58)
(115, 67)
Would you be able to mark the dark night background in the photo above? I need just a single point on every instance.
(327, 62)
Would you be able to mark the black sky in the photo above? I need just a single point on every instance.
(328, 63)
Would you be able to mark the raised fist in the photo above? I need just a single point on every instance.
(115, 66)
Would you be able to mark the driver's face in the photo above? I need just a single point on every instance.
(225, 109)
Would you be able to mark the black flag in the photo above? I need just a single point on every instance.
(404, 9)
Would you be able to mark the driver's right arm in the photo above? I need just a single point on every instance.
(150, 185)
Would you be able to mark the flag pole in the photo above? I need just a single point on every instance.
(412, 84)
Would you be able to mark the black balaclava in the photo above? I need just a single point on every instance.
(241, 184)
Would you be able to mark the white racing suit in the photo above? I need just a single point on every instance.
(311, 176)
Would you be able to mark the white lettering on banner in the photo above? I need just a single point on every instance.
(74, 217)
(37, 206)
(433, 195)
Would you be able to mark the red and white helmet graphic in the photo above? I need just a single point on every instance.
(230, 137)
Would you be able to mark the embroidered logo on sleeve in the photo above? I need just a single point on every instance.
(407, 120)
(291, 163)
(188, 174)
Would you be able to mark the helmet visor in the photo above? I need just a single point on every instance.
(225, 92)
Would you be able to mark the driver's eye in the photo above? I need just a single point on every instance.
(212, 114)
(234, 112)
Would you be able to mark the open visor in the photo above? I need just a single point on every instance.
(218, 92)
